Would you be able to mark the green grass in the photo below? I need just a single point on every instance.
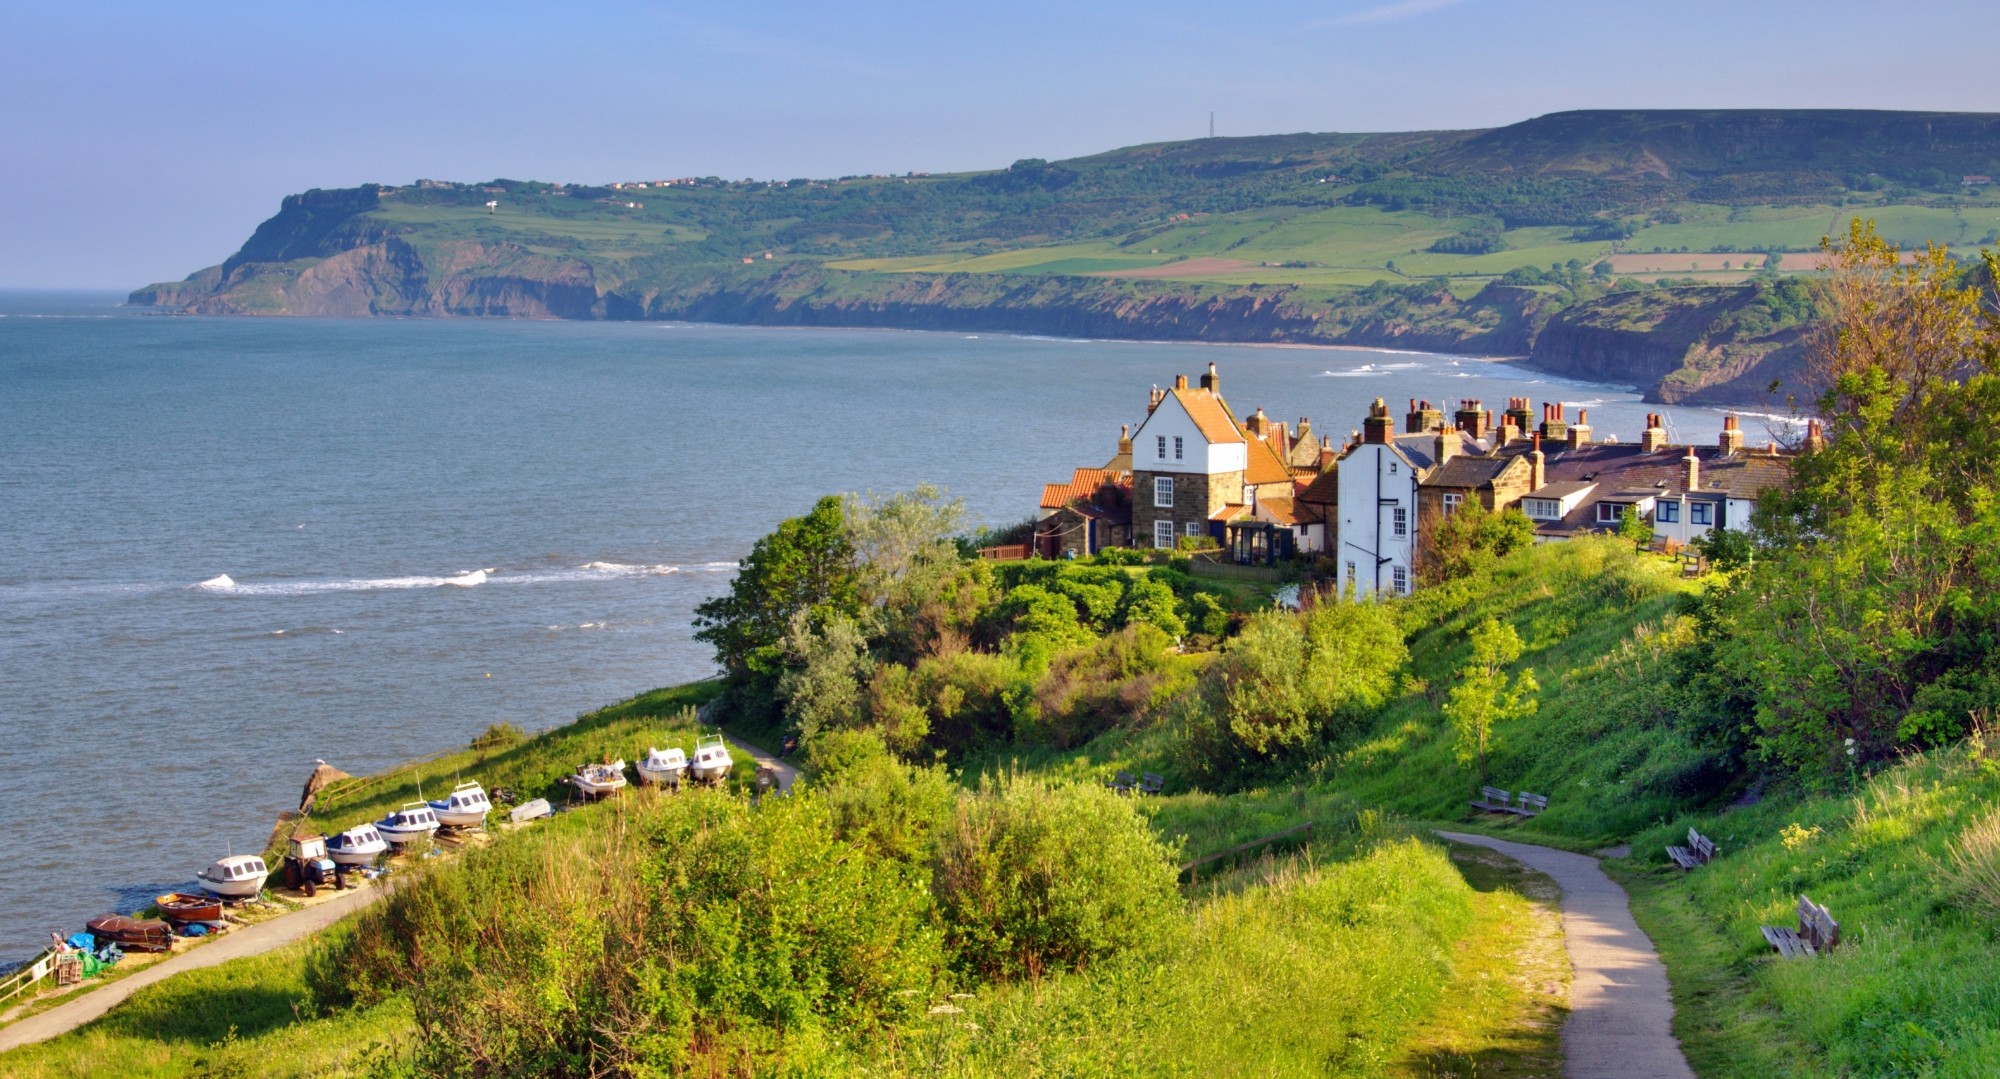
(248, 1017)
(1915, 985)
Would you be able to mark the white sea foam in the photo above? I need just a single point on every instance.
(218, 582)
(467, 580)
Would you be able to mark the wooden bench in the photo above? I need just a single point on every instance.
(1152, 783)
(1699, 850)
(1527, 805)
(1493, 800)
(1817, 933)
(1123, 783)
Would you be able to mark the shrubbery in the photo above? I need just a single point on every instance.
(1033, 878)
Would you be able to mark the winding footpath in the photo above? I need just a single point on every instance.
(1621, 1016)
(235, 944)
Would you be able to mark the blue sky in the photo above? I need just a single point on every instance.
(145, 141)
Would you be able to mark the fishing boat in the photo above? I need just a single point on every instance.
(359, 845)
(183, 908)
(465, 807)
(663, 766)
(415, 820)
(598, 780)
(239, 876)
(711, 758)
(131, 934)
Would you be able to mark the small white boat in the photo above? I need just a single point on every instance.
(663, 766)
(598, 780)
(415, 819)
(532, 809)
(711, 758)
(239, 876)
(359, 845)
(465, 807)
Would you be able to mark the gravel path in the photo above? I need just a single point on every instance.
(1621, 1016)
(235, 944)
(786, 773)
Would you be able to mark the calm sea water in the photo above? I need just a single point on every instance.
(353, 480)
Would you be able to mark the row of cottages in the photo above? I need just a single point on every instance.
(1192, 470)
(1267, 492)
(1389, 489)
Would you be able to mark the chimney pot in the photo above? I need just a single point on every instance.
(1180, 382)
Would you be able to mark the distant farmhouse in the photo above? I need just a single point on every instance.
(1194, 475)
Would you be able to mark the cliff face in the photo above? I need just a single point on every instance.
(1721, 345)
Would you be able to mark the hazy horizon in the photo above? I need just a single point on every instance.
(154, 140)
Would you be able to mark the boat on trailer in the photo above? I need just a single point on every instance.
(415, 820)
(359, 845)
(711, 759)
(465, 807)
(663, 766)
(598, 780)
(239, 876)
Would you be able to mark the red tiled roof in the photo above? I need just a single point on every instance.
(1229, 512)
(1083, 486)
(1277, 510)
(1209, 415)
(1265, 465)
(1325, 490)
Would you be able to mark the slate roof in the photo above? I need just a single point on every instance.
(1627, 472)
(1468, 471)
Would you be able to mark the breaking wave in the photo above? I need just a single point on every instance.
(589, 571)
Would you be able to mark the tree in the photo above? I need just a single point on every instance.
(1485, 696)
(806, 565)
(1469, 540)
(1633, 526)
(822, 689)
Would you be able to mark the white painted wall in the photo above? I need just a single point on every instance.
(1375, 481)
(1198, 456)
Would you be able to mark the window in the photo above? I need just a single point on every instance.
(1350, 575)
(1401, 519)
(1400, 577)
(1543, 509)
(1163, 447)
(1610, 513)
(1163, 534)
(1452, 500)
(1177, 447)
(1392, 468)
(1701, 513)
(1667, 512)
(1193, 528)
(1163, 492)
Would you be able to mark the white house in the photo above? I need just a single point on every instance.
(1376, 539)
(1188, 460)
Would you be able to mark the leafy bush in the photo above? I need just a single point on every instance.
(626, 943)
(1032, 878)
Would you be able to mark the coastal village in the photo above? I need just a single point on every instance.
(1363, 507)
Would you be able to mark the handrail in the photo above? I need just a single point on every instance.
(1187, 868)
(34, 971)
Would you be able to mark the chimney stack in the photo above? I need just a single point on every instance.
(1554, 428)
(1422, 417)
(1125, 440)
(1180, 382)
(1538, 471)
(1377, 428)
(1256, 424)
(1654, 438)
(1815, 436)
(1579, 432)
(1517, 414)
(1447, 443)
(1690, 471)
(1731, 439)
(1211, 381)
(1471, 419)
(1154, 402)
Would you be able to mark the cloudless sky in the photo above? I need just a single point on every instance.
(143, 141)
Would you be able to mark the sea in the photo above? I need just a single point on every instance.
(231, 547)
